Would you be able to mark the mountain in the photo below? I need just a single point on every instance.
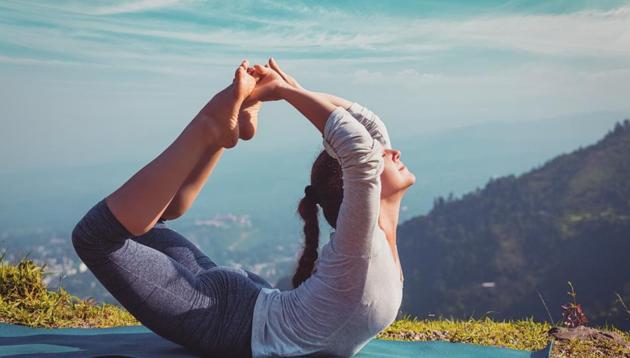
(499, 249)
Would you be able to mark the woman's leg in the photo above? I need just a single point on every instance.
(209, 312)
(257, 279)
(176, 246)
(190, 188)
(141, 201)
(180, 249)
(188, 191)
(160, 292)
(156, 289)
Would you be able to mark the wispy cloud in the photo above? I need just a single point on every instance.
(326, 34)
(119, 7)
(407, 76)
(590, 33)
(33, 61)
(311, 36)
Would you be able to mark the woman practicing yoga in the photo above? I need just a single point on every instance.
(335, 308)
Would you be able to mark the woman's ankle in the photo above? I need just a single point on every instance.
(219, 118)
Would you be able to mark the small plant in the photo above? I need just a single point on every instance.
(622, 303)
(572, 313)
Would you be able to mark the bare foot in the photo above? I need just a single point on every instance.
(248, 119)
(267, 82)
(221, 113)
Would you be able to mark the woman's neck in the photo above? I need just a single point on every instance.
(388, 218)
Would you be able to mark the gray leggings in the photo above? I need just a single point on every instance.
(169, 285)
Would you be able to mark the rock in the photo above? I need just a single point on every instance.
(585, 333)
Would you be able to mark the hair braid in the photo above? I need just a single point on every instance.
(325, 192)
(308, 211)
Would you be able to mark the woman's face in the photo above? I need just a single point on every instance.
(396, 178)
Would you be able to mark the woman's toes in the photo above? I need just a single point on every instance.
(244, 83)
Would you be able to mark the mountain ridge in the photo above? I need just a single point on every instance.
(495, 249)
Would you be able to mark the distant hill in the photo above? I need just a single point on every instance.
(492, 250)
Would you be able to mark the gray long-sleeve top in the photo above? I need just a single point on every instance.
(356, 291)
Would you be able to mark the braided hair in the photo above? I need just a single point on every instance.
(325, 191)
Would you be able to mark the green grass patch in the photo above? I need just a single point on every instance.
(25, 300)
(524, 334)
(520, 334)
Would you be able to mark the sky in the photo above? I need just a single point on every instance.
(88, 82)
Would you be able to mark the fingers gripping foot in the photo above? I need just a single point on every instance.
(221, 114)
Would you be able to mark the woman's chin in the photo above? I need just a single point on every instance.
(408, 184)
(412, 179)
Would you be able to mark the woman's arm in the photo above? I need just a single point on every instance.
(360, 157)
(313, 107)
(272, 87)
(367, 118)
(358, 153)
(361, 160)
(337, 101)
(371, 121)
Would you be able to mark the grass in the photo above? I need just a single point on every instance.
(521, 334)
(25, 300)
(524, 334)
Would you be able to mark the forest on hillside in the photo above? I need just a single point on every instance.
(504, 249)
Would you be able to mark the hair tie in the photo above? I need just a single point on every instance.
(311, 194)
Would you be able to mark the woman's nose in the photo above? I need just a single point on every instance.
(396, 155)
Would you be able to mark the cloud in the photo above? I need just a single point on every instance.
(129, 7)
(410, 77)
(311, 34)
(34, 61)
(592, 33)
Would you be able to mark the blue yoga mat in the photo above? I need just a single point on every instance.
(139, 341)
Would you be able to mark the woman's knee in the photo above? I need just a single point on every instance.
(97, 231)
(86, 244)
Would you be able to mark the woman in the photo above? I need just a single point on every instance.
(179, 293)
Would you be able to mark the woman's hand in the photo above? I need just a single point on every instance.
(287, 78)
(271, 78)
(275, 84)
(269, 86)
